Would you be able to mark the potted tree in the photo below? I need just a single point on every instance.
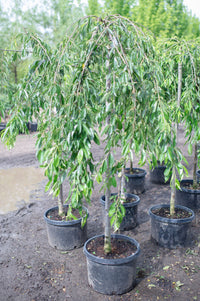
(170, 224)
(118, 76)
(134, 178)
(52, 94)
(189, 192)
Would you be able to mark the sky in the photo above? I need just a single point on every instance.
(192, 5)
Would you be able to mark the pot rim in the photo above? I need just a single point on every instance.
(191, 191)
(140, 175)
(171, 220)
(63, 223)
(118, 261)
(132, 204)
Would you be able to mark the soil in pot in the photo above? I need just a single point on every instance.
(53, 214)
(187, 196)
(65, 235)
(120, 248)
(171, 232)
(135, 183)
(157, 174)
(131, 206)
(115, 273)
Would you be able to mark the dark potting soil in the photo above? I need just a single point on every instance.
(120, 248)
(189, 186)
(165, 212)
(130, 200)
(133, 172)
(53, 215)
(127, 200)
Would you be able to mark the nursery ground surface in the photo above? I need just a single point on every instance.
(30, 270)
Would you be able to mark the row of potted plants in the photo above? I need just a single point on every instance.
(104, 80)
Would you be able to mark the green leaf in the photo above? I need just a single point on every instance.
(56, 162)
(111, 160)
(104, 166)
(166, 267)
(112, 220)
(96, 139)
(190, 149)
(113, 182)
(123, 210)
(40, 156)
(80, 156)
(48, 186)
(99, 178)
(177, 183)
(112, 209)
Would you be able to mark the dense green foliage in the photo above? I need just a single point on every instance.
(51, 20)
(163, 17)
(104, 76)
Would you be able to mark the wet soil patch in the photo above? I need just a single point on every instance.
(165, 212)
(120, 248)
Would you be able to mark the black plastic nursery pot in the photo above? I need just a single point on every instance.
(188, 197)
(136, 182)
(32, 126)
(112, 276)
(65, 235)
(171, 233)
(198, 175)
(130, 219)
(157, 174)
(2, 126)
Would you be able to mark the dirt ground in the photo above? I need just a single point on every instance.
(30, 270)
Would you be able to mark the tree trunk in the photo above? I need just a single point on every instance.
(195, 166)
(179, 83)
(60, 201)
(122, 184)
(173, 190)
(107, 238)
(179, 93)
(15, 73)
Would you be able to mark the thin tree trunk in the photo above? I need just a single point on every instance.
(122, 186)
(195, 166)
(179, 93)
(107, 234)
(131, 161)
(173, 178)
(60, 201)
(15, 72)
(173, 191)
(179, 83)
